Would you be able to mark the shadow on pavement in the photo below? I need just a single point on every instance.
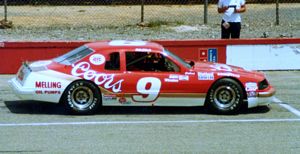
(38, 107)
(256, 110)
(34, 107)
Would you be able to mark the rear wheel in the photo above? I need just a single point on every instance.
(225, 96)
(82, 97)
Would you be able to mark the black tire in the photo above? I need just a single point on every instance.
(82, 97)
(225, 97)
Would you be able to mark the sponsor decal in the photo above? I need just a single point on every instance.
(44, 84)
(251, 94)
(251, 86)
(97, 59)
(143, 49)
(174, 76)
(171, 80)
(189, 73)
(228, 74)
(82, 69)
(206, 76)
(110, 97)
(183, 77)
(210, 54)
(123, 100)
(53, 92)
(179, 77)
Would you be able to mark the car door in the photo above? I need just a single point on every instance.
(152, 78)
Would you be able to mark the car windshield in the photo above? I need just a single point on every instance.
(169, 53)
(74, 55)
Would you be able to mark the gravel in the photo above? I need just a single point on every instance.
(136, 32)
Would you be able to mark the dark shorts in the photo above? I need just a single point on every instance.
(232, 32)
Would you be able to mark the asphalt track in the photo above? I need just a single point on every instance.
(38, 127)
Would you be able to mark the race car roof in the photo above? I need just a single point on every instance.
(119, 45)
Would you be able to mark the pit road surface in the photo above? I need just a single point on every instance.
(37, 127)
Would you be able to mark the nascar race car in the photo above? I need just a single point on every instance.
(138, 73)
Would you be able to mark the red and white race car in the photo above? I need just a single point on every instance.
(138, 73)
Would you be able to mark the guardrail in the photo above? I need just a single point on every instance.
(257, 54)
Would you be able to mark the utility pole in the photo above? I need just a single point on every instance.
(205, 11)
(5, 10)
(277, 12)
(142, 11)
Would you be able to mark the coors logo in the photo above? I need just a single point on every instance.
(106, 80)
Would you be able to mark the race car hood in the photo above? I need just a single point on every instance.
(223, 68)
(216, 66)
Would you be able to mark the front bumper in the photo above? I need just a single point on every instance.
(263, 98)
(22, 92)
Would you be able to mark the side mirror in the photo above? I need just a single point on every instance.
(192, 63)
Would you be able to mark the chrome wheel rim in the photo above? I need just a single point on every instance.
(82, 97)
(224, 96)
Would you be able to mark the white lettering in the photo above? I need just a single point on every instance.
(228, 74)
(83, 66)
(206, 76)
(89, 75)
(143, 49)
(107, 80)
(251, 86)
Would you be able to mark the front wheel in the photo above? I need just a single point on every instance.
(225, 96)
(82, 97)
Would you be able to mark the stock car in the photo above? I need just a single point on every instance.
(138, 73)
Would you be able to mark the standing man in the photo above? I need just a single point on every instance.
(231, 20)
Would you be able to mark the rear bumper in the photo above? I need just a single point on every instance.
(263, 98)
(20, 91)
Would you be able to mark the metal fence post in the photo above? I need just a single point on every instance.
(277, 12)
(142, 11)
(5, 10)
(205, 11)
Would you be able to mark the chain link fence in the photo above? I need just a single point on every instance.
(117, 13)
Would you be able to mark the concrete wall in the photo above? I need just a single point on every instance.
(256, 54)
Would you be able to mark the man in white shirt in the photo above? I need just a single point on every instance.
(231, 20)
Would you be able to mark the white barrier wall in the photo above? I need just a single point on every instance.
(264, 57)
